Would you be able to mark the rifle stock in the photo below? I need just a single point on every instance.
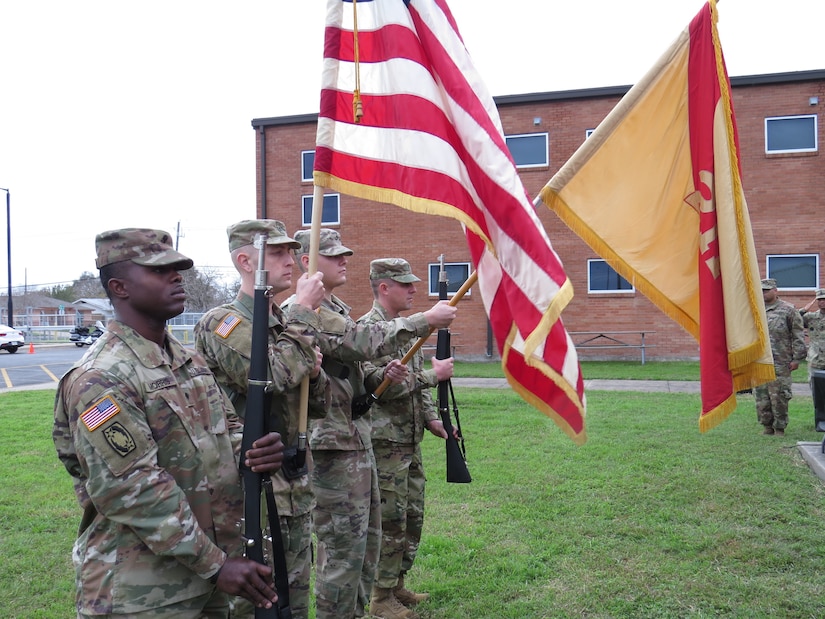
(457, 471)
(258, 405)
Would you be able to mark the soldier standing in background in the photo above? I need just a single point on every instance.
(347, 517)
(144, 431)
(399, 418)
(224, 337)
(788, 346)
(814, 322)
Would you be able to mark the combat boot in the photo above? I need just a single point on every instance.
(407, 597)
(384, 605)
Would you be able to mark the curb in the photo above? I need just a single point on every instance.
(812, 454)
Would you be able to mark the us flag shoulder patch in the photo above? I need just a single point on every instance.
(226, 325)
(100, 412)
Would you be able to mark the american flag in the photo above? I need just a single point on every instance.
(430, 140)
(226, 325)
(100, 412)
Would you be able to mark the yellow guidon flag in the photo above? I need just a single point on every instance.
(656, 191)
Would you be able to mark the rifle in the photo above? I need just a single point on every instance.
(258, 406)
(457, 471)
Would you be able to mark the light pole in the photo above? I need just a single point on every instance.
(8, 246)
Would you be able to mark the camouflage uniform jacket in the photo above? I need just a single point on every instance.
(401, 413)
(144, 434)
(345, 345)
(787, 335)
(815, 324)
(224, 337)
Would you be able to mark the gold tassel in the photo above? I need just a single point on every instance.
(357, 106)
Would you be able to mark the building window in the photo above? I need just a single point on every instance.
(588, 133)
(603, 278)
(307, 163)
(330, 214)
(794, 272)
(457, 274)
(530, 150)
(791, 134)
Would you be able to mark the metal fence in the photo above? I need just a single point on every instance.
(180, 326)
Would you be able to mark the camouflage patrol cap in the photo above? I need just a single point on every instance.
(396, 269)
(142, 246)
(768, 284)
(244, 233)
(820, 294)
(329, 244)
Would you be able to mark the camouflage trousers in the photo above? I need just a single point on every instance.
(401, 480)
(347, 526)
(772, 402)
(296, 531)
(213, 605)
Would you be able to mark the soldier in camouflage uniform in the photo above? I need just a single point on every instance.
(398, 421)
(224, 337)
(814, 322)
(347, 517)
(143, 429)
(788, 345)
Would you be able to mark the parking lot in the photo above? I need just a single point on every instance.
(24, 370)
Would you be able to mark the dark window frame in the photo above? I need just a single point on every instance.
(453, 283)
(306, 210)
(609, 274)
(508, 139)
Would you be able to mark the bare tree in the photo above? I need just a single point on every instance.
(87, 286)
(206, 289)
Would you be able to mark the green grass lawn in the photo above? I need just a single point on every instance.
(648, 519)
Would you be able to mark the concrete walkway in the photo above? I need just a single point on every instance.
(811, 451)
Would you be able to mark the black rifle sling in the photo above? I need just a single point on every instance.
(457, 421)
(278, 549)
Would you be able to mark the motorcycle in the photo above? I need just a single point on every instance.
(83, 336)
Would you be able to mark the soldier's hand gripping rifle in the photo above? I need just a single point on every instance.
(457, 471)
(258, 406)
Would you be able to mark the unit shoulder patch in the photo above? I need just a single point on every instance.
(226, 326)
(119, 439)
(100, 412)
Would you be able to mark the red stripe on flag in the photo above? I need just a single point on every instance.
(389, 42)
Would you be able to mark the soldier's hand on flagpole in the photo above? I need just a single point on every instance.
(440, 315)
(309, 290)
(396, 372)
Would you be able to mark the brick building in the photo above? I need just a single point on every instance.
(783, 176)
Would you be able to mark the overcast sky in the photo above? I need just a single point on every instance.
(123, 113)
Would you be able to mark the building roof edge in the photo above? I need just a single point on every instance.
(582, 93)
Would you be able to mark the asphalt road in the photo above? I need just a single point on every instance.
(46, 365)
